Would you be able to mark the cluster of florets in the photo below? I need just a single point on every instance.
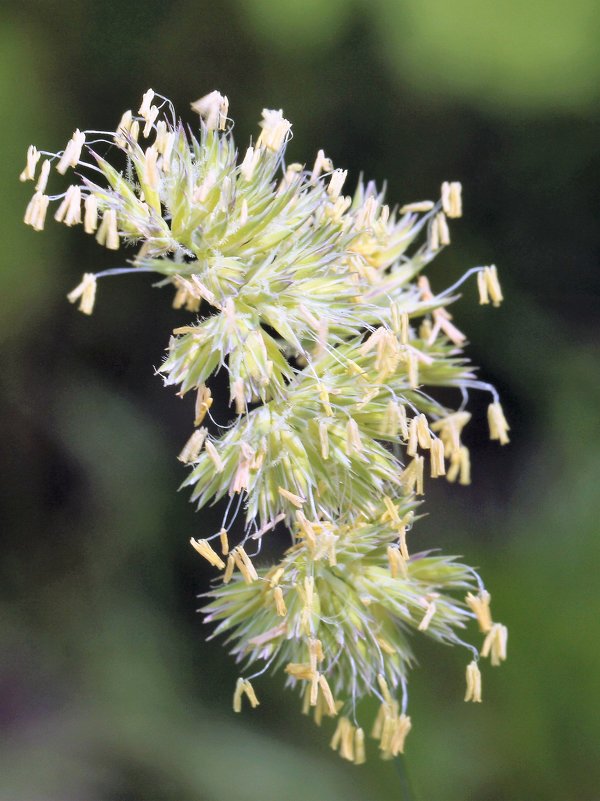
(314, 304)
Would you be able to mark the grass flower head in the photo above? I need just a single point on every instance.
(314, 304)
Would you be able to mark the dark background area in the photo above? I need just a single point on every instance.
(108, 689)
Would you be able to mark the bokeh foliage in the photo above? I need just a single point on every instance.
(108, 688)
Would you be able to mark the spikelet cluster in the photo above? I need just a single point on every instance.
(314, 303)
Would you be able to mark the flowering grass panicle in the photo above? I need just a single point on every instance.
(314, 304)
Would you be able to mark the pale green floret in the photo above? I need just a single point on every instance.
(359, 605)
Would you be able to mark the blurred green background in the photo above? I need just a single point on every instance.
(107, 687)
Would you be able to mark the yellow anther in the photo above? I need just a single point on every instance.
(244, 564)
(419, 207)
(423, 433)
(206, 550)
(228, 574)
(33, 156)
(275, 129)
(35, 214)
(328, 696)
(353, 440)
(480, 605)
(193, 446)
(396, 562)
(499, 428)
(90, 220)
(72, 152)
(413, 438)
(213, 455)
(294, 499)
(250, 694)
(438, 468)
(493, 285)
(359, 747)
(452, 198)
(237, 695)
(412, 476)
(494, 644)
(324, 439)
(85, 292)
(473, 692)
(484, 297)
(443, 230)
(279, 601)
(213, 109)
(42, 181)
(300, 670)
(107, 233)
(429, 613)
(204, 401)
(69, 210)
